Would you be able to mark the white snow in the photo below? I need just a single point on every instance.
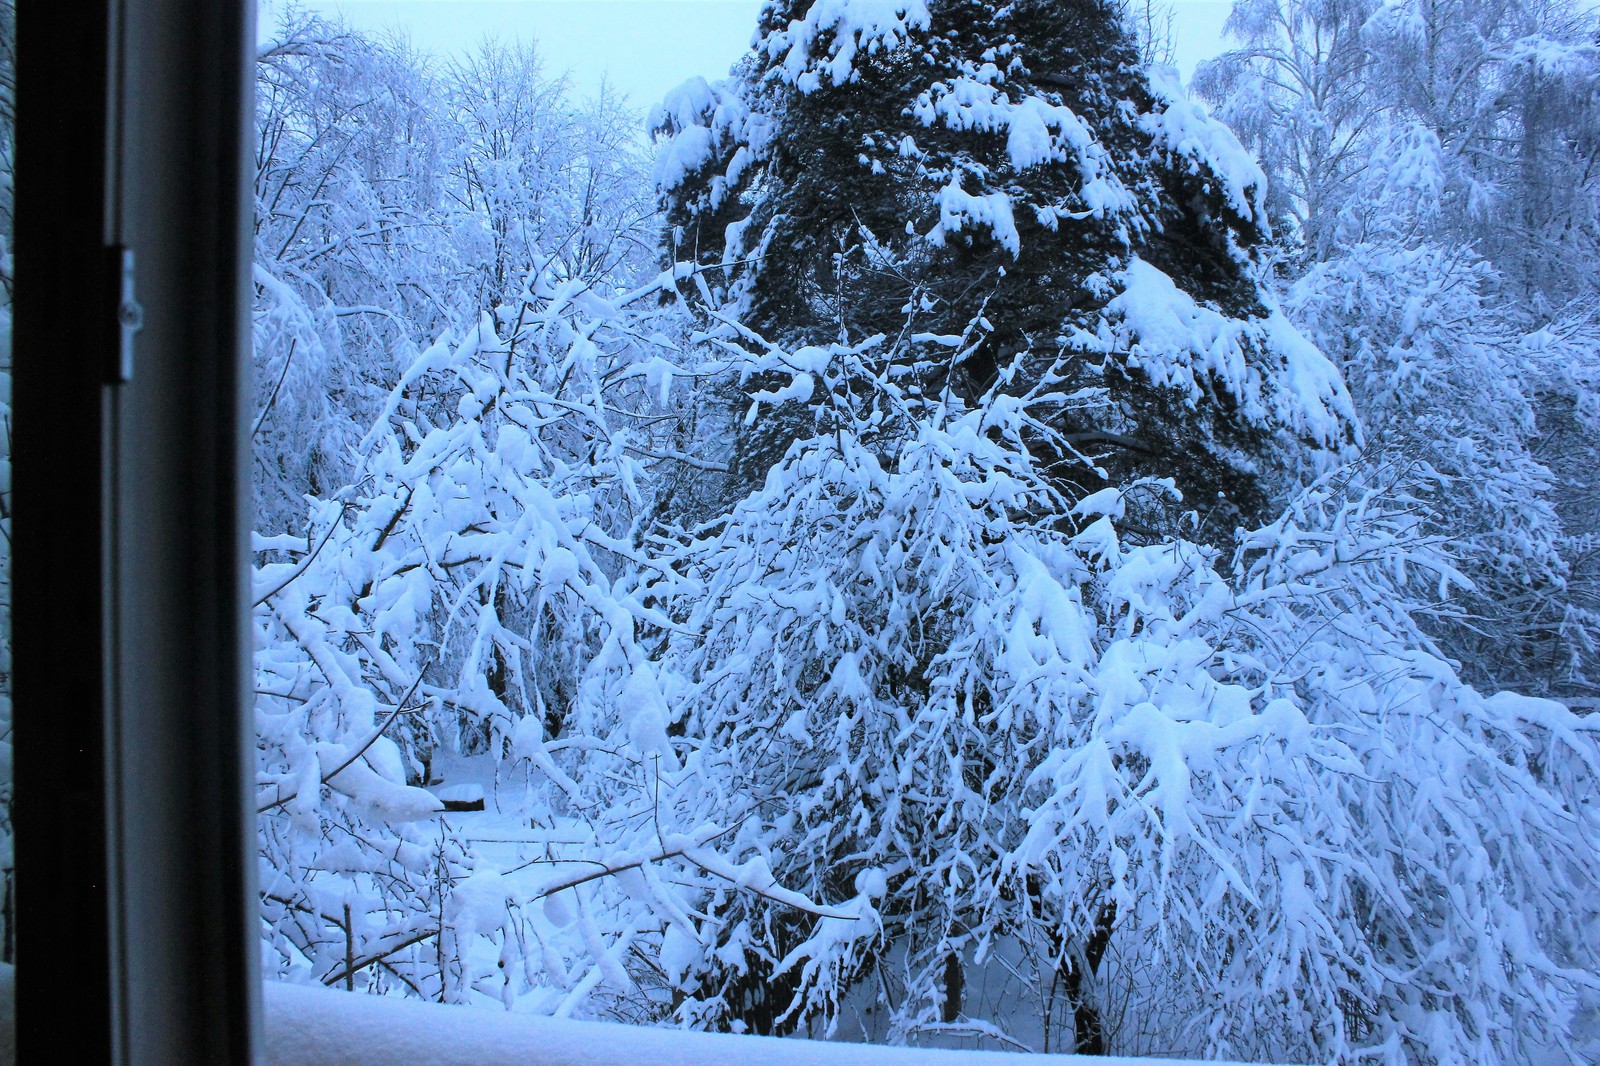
(645, 714)
(1037, 132)
(692, 122)
(1185, 129)
(684, 154)
(469, 792)
(373, 791)
(307, 1026)
(1187, 346)
(960, 210)
(856, 26)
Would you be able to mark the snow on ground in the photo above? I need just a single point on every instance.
(325, 1027)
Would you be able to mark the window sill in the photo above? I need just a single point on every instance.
(309, 1026)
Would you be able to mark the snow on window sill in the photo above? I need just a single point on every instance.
(308, 1026)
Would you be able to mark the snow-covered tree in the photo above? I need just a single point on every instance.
(537, 170)
(467, 591)
(1081, 790)
(1432, 162)
(1448, 389)
(1510, 90)
(394, 200)
(877, 168)
(1483, 116)
(1297, 93)
(449, 372)
(350, 268)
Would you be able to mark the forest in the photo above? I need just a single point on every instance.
(946, 537)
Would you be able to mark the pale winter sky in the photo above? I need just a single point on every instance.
(645, 47)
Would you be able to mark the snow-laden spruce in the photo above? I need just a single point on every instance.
(938, 162)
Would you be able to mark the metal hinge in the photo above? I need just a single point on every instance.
(127, 315)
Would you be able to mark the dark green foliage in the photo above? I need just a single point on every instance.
(833, 194)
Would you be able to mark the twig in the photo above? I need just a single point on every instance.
(399, 708)
(686, 853)
(306, 565)
(273, 399)
(369, 960)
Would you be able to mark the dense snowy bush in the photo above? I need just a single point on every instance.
(1188, 803)
(469, 585)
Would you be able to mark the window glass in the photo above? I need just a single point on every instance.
(1004, 526)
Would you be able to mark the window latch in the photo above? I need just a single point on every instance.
(127, 315)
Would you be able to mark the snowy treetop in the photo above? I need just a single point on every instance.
(846, 29)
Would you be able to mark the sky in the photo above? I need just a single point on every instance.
(643, 47)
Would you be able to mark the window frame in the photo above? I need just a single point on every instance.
(132, 814)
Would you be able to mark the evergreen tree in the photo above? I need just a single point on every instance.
(1012, 174)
